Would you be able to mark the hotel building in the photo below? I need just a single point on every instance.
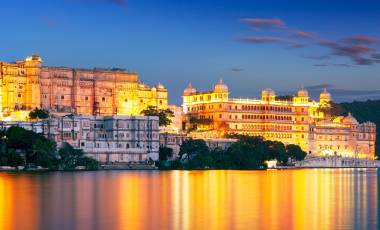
(294, 120)
(106, 139)
(26, 84)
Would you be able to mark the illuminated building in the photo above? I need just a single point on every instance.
(27, 84)
(291, 120)
(104, 138)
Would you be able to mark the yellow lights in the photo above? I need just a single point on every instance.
(291, 120)
(26, 85)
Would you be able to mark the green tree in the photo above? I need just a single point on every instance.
(39, 113)
(165, 153)
(295, 152)
(13, 158)
(71, 158)
(163, 115)
(193, 147)
(44, 153)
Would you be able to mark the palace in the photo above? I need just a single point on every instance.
(25, 85)
(291, 120)
(104, 138)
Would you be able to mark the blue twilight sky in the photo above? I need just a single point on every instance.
(250, 44)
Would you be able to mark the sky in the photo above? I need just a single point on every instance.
(249, 44)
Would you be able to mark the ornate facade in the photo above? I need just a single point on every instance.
(27, 84)
(291, 120)
(106, 139)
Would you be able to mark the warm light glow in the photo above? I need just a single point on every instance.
(297, 120)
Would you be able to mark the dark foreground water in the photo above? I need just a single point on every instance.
(275, 199)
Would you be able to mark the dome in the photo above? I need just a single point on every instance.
(268, 92)
(220, 87)
(189, 90)
(302, 92)
(142, 85)
(325, 95)
(160, 86)
(350, 120)
(34, 57)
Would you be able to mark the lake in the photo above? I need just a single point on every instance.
(225, 199)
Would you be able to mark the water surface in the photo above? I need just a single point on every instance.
(273, 199)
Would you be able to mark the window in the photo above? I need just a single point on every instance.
(86, 98)
(103, 99)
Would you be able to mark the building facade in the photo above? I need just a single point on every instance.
(291, 120)
(104, 138)
(25, 85)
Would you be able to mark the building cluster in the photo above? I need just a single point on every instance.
(99, 111)
(292, 120)
(105, 138)
(25, 85)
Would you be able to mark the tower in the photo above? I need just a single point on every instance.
(325, 98)
(32, 89)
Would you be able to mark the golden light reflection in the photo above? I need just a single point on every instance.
(272, 199)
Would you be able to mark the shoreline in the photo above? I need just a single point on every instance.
(157, 169)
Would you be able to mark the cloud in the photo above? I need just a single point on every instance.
(304, 34)
(272, 40)
(264, 23)
(376, 56)
(360, 39)
(358, 48)
(236, 69)
(317, 57)
(332, 64)
(352, 51)
(321, 65)
(363, 61)
(357, 53)
(320, 87)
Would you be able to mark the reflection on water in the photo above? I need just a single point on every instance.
(287, 199)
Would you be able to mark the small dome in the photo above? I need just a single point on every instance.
(142, 85)
(189, 90)
(160, 86)
(325, 95)
(220, 87)
(34, 57)
(268, 92)
(350, 120)
(302, 92)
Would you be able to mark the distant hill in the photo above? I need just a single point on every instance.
(363, 111)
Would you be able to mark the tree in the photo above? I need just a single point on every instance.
(165, 153)
(295, 152)
(37, 149)
(71, 158)
(14, 159)
(44, 153)
(163, 115)
(192, 147)
(38, 113)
